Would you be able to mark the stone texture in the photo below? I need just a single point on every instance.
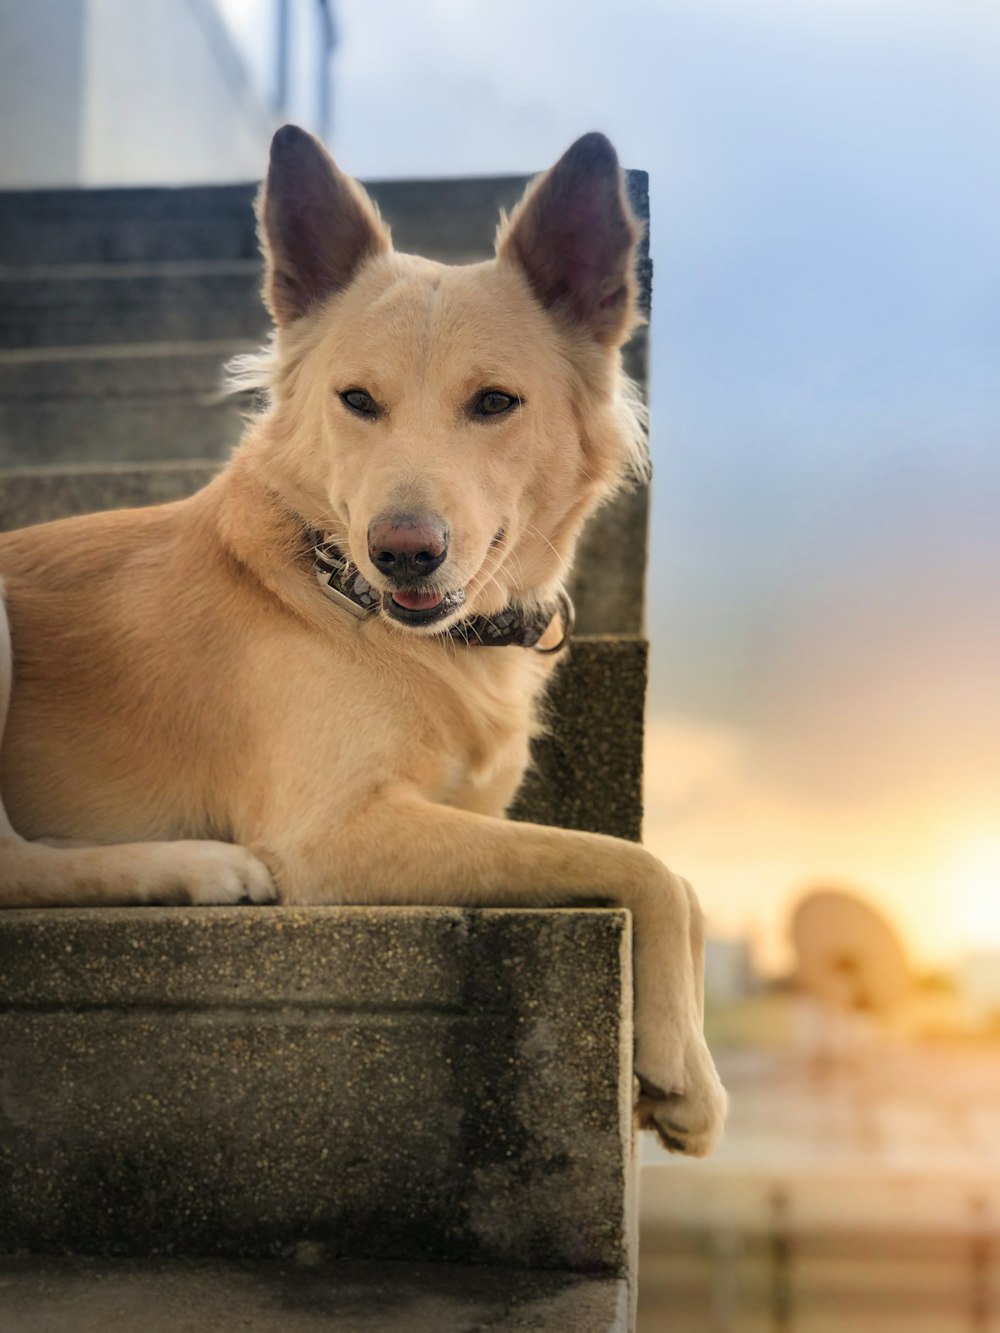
(126, 225)
(409, 1084)
(44, 431)
(587, 771)
(113, 405)
(608, 581)
(39, 495)
(58, 307)
(73, 1295)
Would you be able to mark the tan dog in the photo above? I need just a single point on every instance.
(186, 695)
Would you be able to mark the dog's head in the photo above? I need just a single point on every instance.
(451, 428)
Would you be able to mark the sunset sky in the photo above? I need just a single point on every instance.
(825, 571)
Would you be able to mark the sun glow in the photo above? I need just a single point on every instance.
(975, 875)
(931, 866)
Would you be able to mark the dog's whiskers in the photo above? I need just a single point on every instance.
(563, 562)
(490, 573)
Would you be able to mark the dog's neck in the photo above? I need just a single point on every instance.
(346, 586)
(275, 542)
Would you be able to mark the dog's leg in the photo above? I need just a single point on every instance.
(34, 875)
(404, 850)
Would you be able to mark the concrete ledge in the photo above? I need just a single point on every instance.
(410, 1084)
(192, 1296)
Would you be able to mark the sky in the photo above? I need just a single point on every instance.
(824, 581)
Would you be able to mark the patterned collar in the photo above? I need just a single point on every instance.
(351, 591)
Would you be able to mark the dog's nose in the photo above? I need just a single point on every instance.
(405, 547)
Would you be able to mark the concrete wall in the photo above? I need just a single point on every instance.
(125, 92)
(166, 97)
(41, 89)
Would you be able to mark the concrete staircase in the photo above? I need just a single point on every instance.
(117, 311)
(274, 1119)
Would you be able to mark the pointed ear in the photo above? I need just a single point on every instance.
(574, 236)
(316, 226)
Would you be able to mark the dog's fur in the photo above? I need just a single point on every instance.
(191, 720)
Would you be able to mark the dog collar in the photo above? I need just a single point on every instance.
(345, 585)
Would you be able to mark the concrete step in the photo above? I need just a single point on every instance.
(126, 225)
(346, 1083)
(30, 495)
(131, 303)
(117, 403)
(73, 1295)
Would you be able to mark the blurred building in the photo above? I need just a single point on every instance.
(118, 92)
(730, 974)
(848, 956)
(979, 980)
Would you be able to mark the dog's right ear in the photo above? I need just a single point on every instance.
(317, 226)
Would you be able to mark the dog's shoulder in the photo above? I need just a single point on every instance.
(83, 547)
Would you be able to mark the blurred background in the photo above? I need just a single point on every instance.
(824, 575)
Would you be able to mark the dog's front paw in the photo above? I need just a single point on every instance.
(688, 1111)
(217, 873)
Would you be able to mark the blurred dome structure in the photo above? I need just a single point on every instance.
(847, 954)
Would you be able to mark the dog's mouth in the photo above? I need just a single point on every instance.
(408, 606)
(415, 607)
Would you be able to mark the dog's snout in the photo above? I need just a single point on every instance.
(405, 547)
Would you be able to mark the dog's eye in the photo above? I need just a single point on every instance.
(361, 402)
(493, 403)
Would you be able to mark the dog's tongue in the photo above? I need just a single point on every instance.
(417, 601)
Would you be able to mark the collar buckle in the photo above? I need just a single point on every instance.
(567, 613)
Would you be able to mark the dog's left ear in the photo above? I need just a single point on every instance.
(574, 237)
(317, 226)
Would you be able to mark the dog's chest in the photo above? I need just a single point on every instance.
(481, 717)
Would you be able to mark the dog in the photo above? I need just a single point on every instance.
(312, 680)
